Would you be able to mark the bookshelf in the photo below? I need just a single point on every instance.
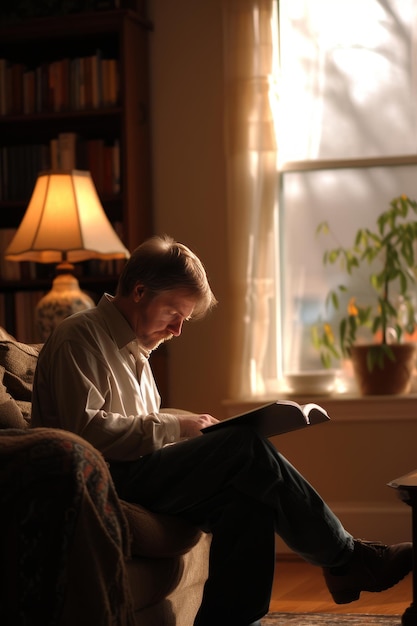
(73, 94)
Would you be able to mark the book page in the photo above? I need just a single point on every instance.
(276, 418)
(314, 413)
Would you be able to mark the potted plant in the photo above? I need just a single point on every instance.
(388, 253)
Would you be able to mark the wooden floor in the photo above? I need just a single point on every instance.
(300, 588)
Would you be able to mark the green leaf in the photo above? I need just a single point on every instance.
(333, 256)
(335, 300)
(323, 228)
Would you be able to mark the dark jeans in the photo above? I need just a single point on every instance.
(235, 485)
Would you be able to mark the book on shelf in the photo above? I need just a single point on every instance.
(42, 87)
(15, 76)
(28, 160)
(9, 270)
(116, 167)
(88, 80)
(95, 162)
(25, 325)
(102, 159)
(67, 151)
(110, 82)
(62, 151)
(29, 92)
(59, 78)
(3, 99)
(276, 418)
(92, 71)
(4, 173)
(53, 151)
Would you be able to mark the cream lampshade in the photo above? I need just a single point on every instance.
(64, 223)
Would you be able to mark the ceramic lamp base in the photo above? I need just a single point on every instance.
(64, 299)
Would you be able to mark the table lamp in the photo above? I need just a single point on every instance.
(64, 223)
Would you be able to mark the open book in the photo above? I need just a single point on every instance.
(276, 418)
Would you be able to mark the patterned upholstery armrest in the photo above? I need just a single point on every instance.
(63, 536)
(17, 368)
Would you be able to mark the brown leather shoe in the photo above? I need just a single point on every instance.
(373, 567)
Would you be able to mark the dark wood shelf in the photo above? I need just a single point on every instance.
(42, 126)
(69, 26)
(44, 284)
(62, 116)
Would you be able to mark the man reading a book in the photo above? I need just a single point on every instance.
(93, 378)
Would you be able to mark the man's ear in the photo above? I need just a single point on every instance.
(138, 292)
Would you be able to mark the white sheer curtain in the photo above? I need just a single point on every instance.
(251, 147)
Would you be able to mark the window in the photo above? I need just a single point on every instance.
(347, 141)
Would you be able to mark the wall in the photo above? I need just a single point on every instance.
(369, 442)
(189, 181)
(350, 460)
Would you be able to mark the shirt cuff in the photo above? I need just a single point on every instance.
(172, 426)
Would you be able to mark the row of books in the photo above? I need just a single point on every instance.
(100, 157)
(21, 164)
(9, 270)
(15, 271)
(90, 82)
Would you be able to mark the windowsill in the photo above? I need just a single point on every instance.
(345, 407)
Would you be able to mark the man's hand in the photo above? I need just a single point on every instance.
(191, 424)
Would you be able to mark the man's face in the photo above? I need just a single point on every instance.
(160, 317)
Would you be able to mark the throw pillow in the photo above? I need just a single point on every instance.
(10, 414)
(19, 362)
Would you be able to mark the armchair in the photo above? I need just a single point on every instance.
(125, 565)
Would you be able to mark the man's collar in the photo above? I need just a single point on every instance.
(119, 327)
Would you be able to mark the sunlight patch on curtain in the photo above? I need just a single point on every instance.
(251, 152)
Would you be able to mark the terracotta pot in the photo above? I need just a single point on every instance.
(393, 378)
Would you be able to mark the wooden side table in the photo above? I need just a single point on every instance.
(407, 490)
